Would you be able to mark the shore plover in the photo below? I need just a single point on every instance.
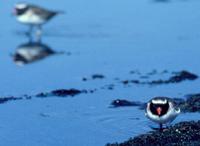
(161, 110)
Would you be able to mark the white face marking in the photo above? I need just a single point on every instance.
(21, 6)
(159, 101)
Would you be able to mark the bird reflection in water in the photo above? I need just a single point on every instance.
(30, 52)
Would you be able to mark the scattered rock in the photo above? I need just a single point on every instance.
(91, 91)
(175, 78)
(153, 72)
(84, 79)
(125, 82)
(61, 93)
(164, 72)
(57, 93)
(135, 72)
(44, 115)
(181, 134)
(6, 99)
(135, 81)
(191, 104)
(181, 76)
(108, 87)
(123, 102)
(65, 92)
(98, 76)
(28, 97)
(94, 77)
(42, 95)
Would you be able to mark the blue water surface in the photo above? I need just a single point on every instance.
(107, 37)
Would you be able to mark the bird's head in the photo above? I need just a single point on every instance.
(20, 8)
(159, 106)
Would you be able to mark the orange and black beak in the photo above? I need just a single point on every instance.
(159, 111)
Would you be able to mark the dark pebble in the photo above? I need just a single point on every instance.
(98, 76)
(123, 102)
(125, 82)
(84, 79)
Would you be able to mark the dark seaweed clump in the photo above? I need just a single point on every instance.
(98, 76)
(191, 104)
(177, 78)
(183, 75)
(94, 77)
(108, 87)
(6, 99)
(181, 134)
(54, 93)
(123, 102)
(64, 92)
(61, 93)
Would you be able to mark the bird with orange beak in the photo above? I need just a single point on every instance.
(161, 110)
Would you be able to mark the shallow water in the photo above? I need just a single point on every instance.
(106, 37)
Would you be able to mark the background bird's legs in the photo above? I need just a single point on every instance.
(39, 33)
(30, 30)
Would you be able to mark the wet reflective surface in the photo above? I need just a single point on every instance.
(111, 38)
(31, 52)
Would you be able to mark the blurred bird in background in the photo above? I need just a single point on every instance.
(34, 16)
